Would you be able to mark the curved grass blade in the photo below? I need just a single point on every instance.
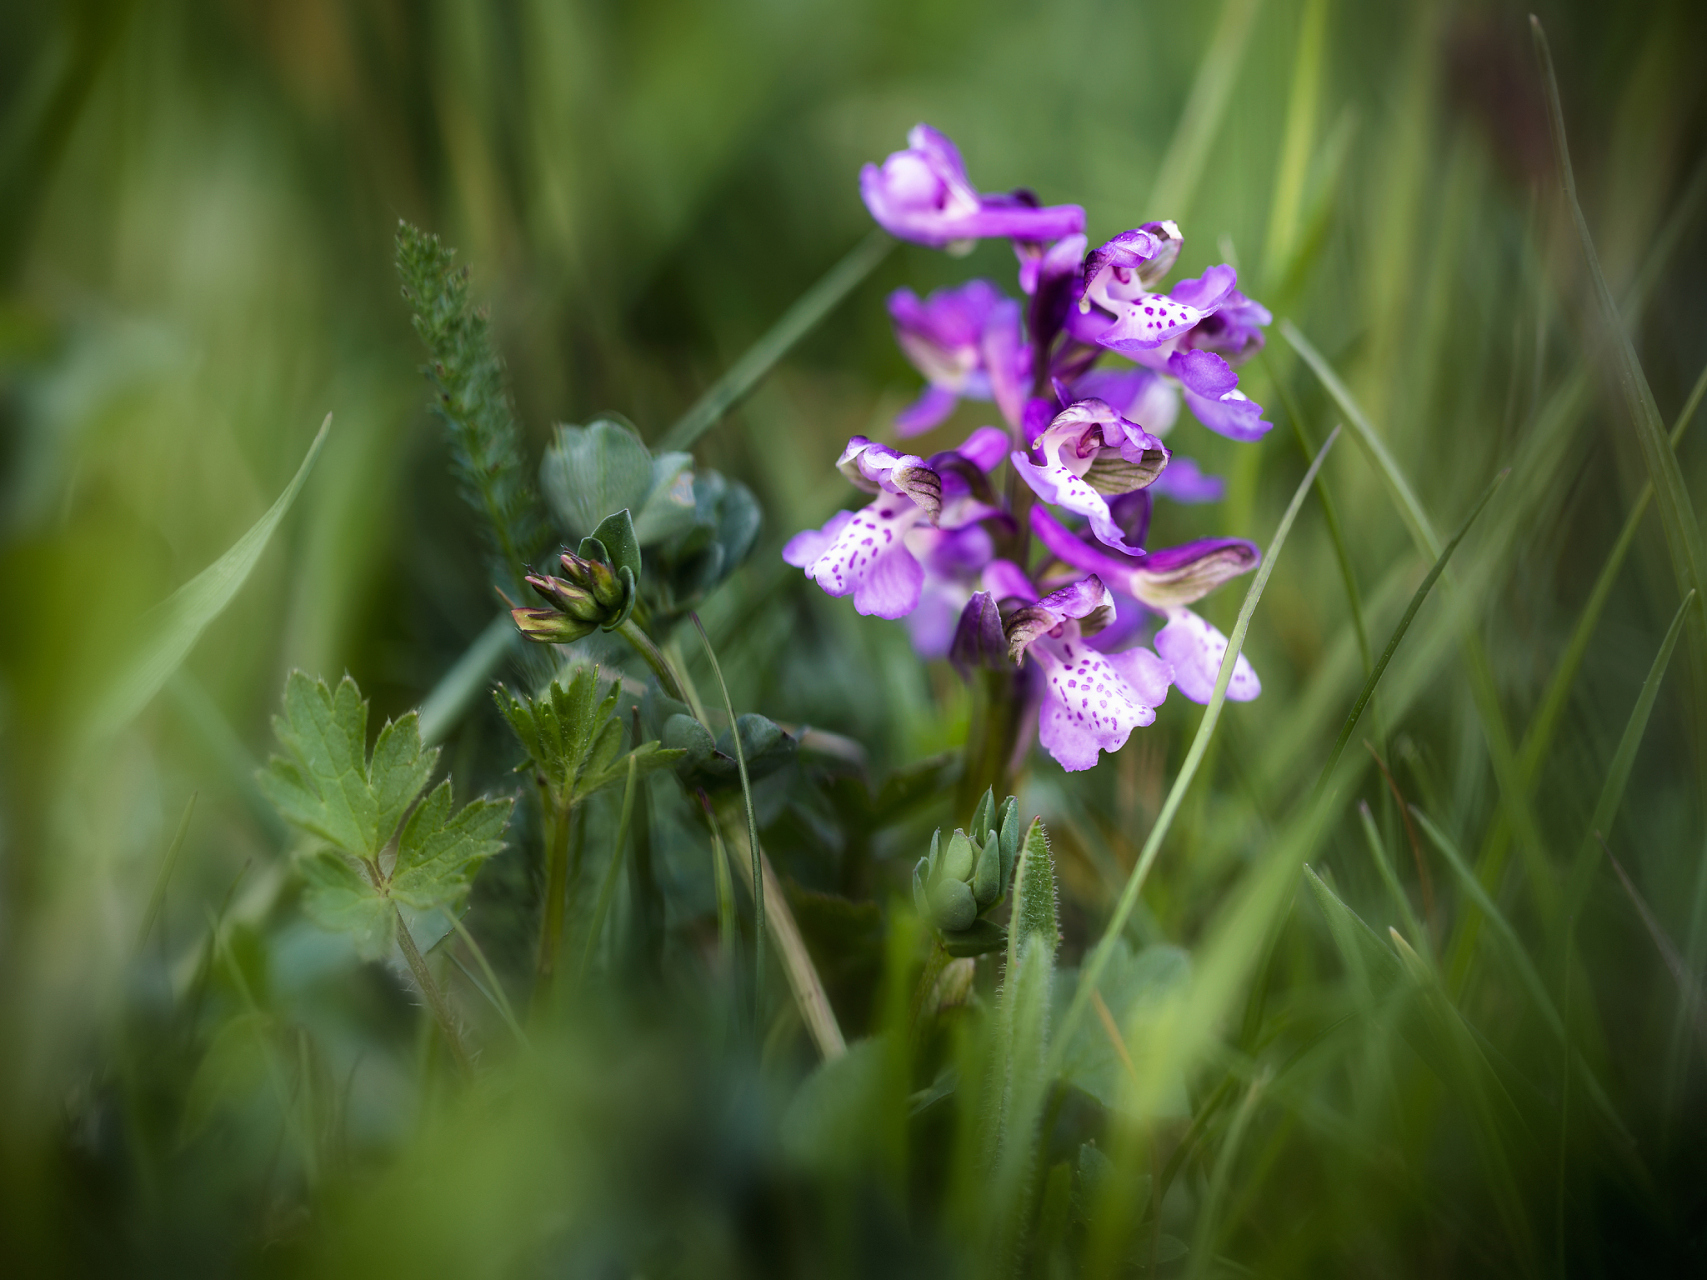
(158, 897)
(1623, 761)
(1677, 514)
(466, 680)
(1092, 971)
(495, 996)
(1688, 989)
(1384, 866)
(1182, 166)
(752, 830)
(1417, 599)
(794, 324)
(171, 629)
(1541, 730)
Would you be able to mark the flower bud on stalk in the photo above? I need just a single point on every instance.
(589, 595)
(956, 884)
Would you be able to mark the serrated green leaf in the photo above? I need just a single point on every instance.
(325, 784)
(341, 899)
(440, 850)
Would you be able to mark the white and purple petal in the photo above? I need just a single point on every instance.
(1092, 702)
(1196, 649)
(1212, 395)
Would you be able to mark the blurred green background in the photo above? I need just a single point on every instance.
(197, 205)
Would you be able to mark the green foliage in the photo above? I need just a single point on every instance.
(327, 784)
(467, 378)
(955, 885)
(574, 739)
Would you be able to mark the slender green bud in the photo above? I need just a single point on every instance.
(987, 877)
(952, 904)
(548, 626)
(958, 859)
(981, 815)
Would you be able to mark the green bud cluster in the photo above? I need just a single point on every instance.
(959, 881)
(598, 588)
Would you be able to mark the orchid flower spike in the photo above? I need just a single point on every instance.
(922, 194)
(967, 343)
(1090, 452)
(1166, 581)
(1091, 701)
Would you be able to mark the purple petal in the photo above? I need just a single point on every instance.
(1054, 483)
(1006, 360)
(1088, 704)
(891, 583)
(1074, 601)
(985, 447)
(1148, 675)
(1195, 649)
(935, 404)
(1232, 415)
(1005, 580)
(1071, 549)
(978, 639)
(806, 546)
(1209, 291)
(1203, 373)
(931, 626)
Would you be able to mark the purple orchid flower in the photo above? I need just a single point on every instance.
(1089, 451)
(865, 552)
(1213, 396)
(922, 194)
(965, 340)
(1184, 481)
(1165, 581)
(953, 560)
(1091, 701)
(1235, 330)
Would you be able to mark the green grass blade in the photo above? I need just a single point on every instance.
(171, 630)
(157, 898)
(752, 829)
(1390, 878)
(467, 679)
(1098, 960)
(1296, 145)
(1688, 989)
(1525, 967)
(1623, 761)
(1546, 722)
(1417, 599)
(1182, 167)
(613, 873)
(795, 323)
(1683, 534)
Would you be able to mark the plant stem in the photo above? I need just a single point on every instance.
(435, 996)
(557, 820)
(631, 632)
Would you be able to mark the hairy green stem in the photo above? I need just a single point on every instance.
(667, 678)
(435, 995)
(557, 822)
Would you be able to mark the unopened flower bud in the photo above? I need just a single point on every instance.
(598, 580)
(548, 626)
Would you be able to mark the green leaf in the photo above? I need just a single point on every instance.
(1134, 986)
(1034, 913)
(574, 740)
(616, 532)
(669, 508)
(340, 898)
(168, 632)
(591, 472)
(324, 783)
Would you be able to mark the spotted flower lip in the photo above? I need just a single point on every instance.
(1091, 701)
(1115, 310)
(922, 194)
(1166, 580)
(866, 553)
(965, 340)
(1089, 452)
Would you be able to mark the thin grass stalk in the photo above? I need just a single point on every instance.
(613, 873)
(1092, 970)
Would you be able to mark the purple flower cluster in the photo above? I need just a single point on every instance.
(939, 547)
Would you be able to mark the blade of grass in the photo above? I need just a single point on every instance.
(466, 680)
(495, 996)
(1384, 867)
(157, 898)
(613, 873)
(1182, 167)
(1688, 990)
(795, 323)
(752, 829)
(1417, 599)
(1296, 145)
(171, 629)
(1677, 514)
(1546, 722)
(1623, 761)
(1099, 957)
